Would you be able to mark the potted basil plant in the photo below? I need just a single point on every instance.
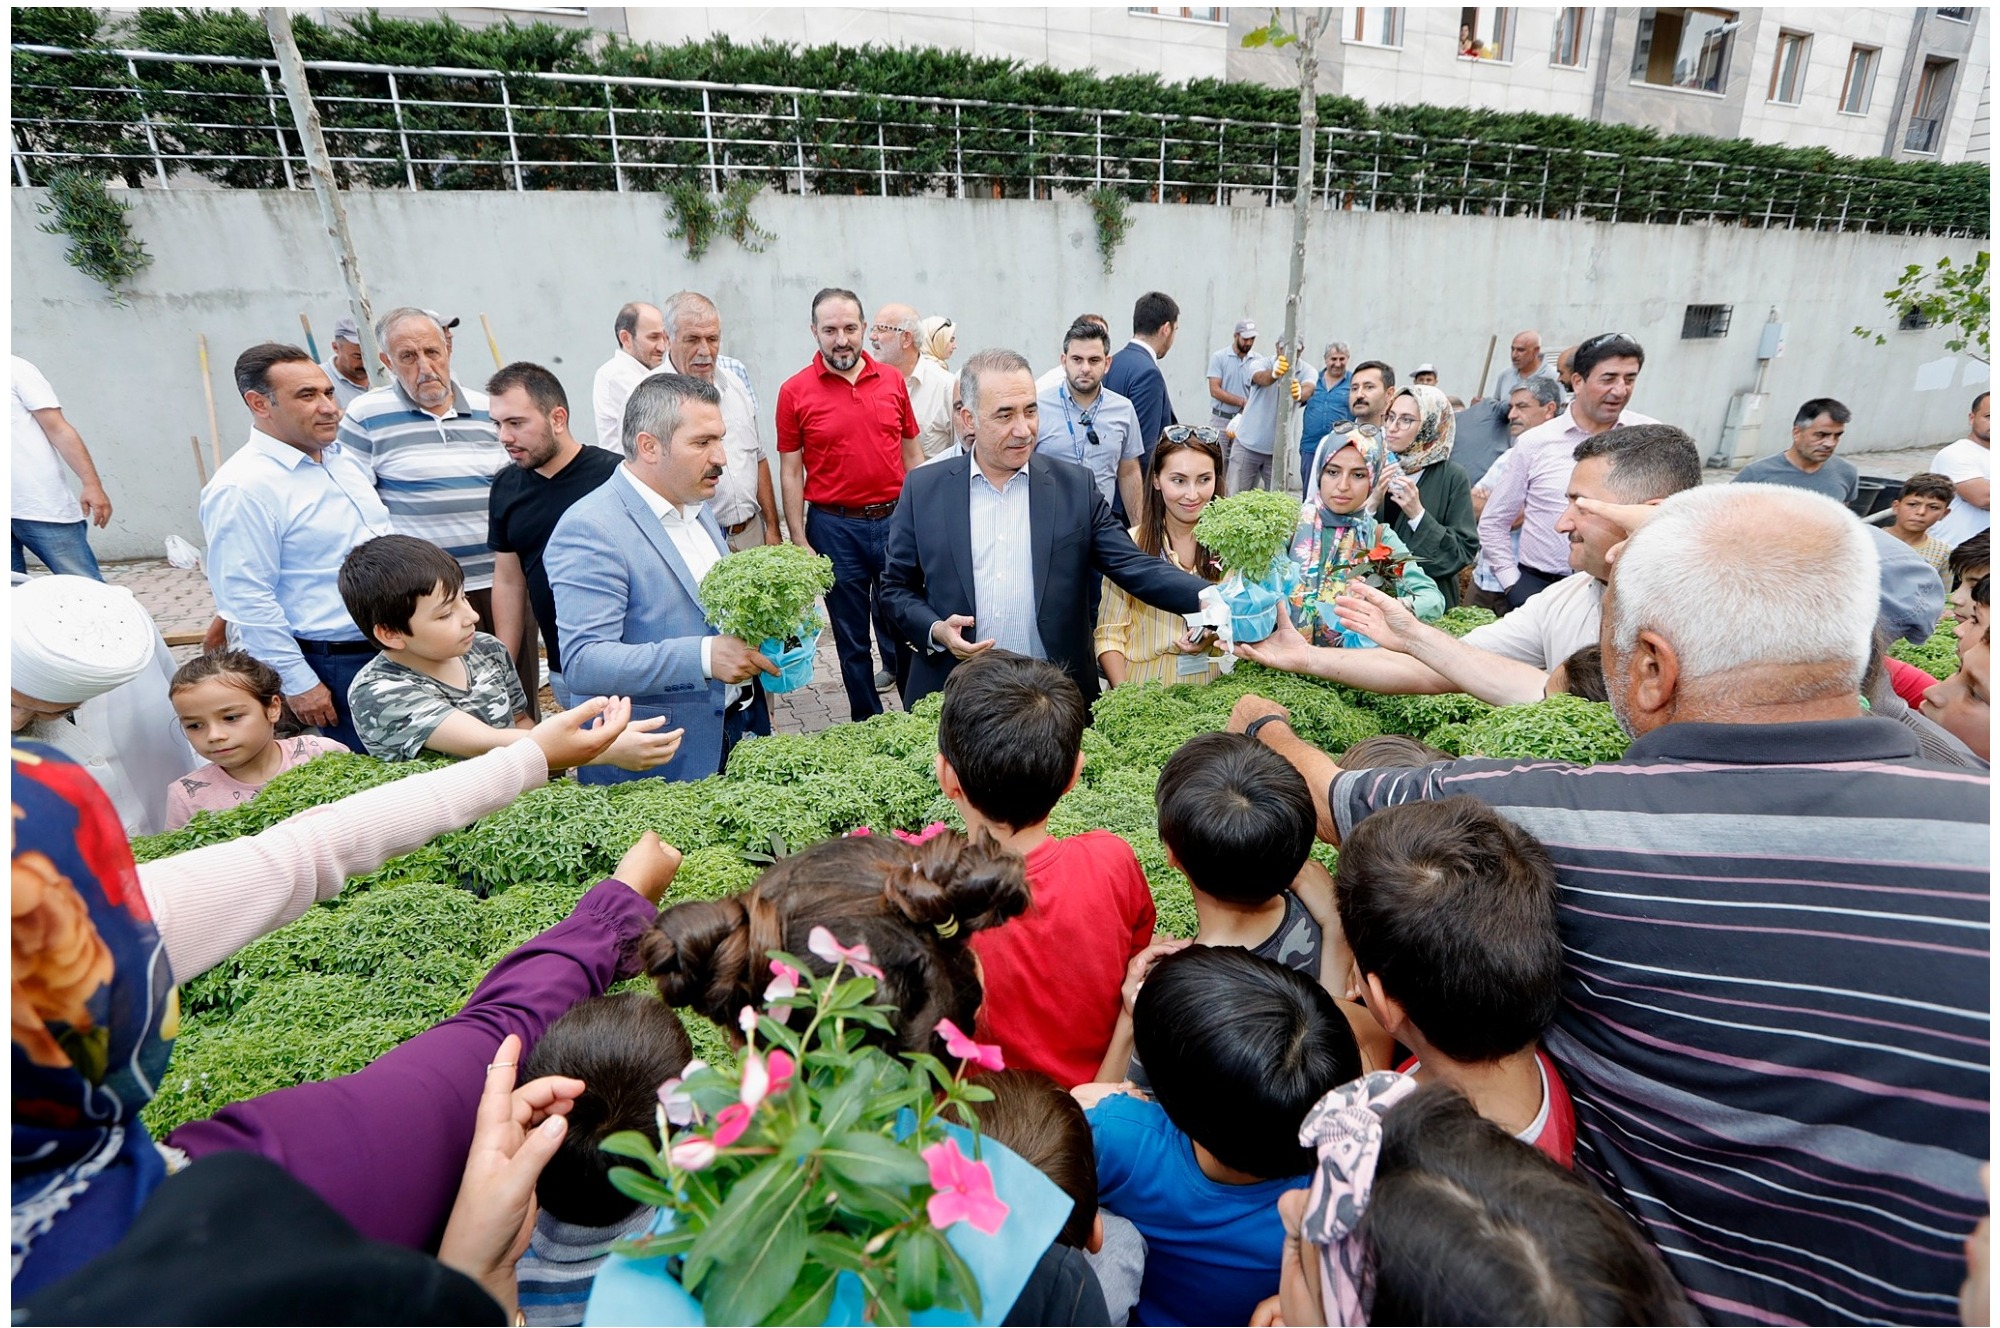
(766, 595)
(1249, 534)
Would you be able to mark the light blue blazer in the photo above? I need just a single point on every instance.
(630, 624)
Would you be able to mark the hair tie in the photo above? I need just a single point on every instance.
(1345, 1127)
(948, 928)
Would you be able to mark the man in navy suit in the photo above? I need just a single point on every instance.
(1002, 547)
(1135, 370)
(625, 562)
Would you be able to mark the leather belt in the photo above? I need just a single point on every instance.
(872, 512)
(740, 526)
(335, 647)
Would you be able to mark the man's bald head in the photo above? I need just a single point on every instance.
(641, 333)
(895, 335)
(1526, 352)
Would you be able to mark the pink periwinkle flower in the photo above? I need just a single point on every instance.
(763, 1077)
(923, 836)
(984, 1055)
(693, 1154)
(674, 1099)
(964, 1190)
(747, 1021)
(823, 945)
(784, 981)
(730, 1123)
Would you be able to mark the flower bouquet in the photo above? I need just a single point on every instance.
(1249, 533)
(766, 594)
(820, 1183)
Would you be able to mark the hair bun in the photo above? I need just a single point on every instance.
(958, 884)
(696, 954)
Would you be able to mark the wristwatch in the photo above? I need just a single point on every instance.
(1250, 731)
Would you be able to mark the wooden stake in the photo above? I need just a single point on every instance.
(312, 346)
(1491, 342)
(491, 344)
(208, 391)
(199, 468)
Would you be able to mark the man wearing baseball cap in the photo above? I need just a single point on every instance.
(1229, 375)
(344, 366)
(1426, 374)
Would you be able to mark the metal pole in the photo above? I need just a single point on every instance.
(20, 161)
(958, 142)
(708, 135)
(152, 142)
(402, 135)
(799, 143)
(881, 156)
(514, 149)
(1221, 131)
(611, 113)
(333, 212)
(271, 101)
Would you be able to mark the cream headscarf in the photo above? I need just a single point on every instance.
(1436, 431)
(75, 638)
(937, 335)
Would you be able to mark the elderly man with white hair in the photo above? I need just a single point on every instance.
(90, 673)
(1775, 1015)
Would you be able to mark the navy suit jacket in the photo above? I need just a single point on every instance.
(1136, 375)
(1076, 539)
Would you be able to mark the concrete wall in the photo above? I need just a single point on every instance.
(550, 270)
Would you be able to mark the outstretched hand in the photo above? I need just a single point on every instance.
(1383, 619)
(571, 739)
(1283, 649)
(516, 1134)
(649, 866)
(1628, 517)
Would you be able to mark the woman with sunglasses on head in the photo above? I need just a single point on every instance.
(1136, 642)
(1424, 496)
(939, 339)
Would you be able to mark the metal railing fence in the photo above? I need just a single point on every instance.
(132, 113)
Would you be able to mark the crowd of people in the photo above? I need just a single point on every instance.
(1701, 1034)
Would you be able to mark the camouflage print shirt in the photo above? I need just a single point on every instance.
(396, 708)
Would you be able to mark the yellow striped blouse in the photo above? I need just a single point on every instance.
(1145, 636)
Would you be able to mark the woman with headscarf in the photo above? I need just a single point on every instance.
(1341, 541)
(1427, 497)
(940, 339)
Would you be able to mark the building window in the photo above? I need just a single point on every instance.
(1703, 322)
(1485, 34)
(1788, 71)
(1572, 38)
(1927, 108)
(1684, 48)
(1914, 319)
(1199, 13)
(1375, 26)
(1859, 88)
(1957, 14)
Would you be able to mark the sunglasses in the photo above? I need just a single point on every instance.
(1180, 433)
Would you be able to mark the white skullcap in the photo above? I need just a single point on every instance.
(75, 638)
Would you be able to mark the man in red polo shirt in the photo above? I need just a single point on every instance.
(846, 437)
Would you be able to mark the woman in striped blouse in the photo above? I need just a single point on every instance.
(1137, 642)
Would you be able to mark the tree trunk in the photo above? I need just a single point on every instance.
(1283, 472)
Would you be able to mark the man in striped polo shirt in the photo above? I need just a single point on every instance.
(1775, 915)
(432, 448)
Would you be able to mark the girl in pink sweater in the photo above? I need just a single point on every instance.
(229, 705)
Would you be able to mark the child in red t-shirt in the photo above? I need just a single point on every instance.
(1449, 910)
(1010, 744)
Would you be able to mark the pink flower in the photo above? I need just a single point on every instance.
(958, 1044)
(858, 832)
(821, 942)
(964, 1190)
(674, 1099)
(730, 1123)
(693, 1154)
(761, 1078)
(747, 1021)
(784, 981)
(928, 833)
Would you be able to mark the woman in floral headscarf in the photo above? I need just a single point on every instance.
(1426, 497)
(1341, 541)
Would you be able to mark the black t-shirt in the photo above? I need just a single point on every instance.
(523, 511)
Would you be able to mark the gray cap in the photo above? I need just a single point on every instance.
(1246, 328)
(345, 330)
(1423, 368)
(1912, 593)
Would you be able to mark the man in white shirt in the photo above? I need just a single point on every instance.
(48, 520)
(1968, 464)
(344, 366)
(745, 503)
(893, 339)
(280, 518)
(642, 344)
(625, 563)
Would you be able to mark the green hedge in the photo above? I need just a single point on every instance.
(1387, 158)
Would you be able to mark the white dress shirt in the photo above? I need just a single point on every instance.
(692, 541)
(278, 528)
(1003, 565)
(735, 498)
(930, 397)
(609, 391)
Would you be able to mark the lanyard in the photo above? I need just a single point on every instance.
(1082, 415)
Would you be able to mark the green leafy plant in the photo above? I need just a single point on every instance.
(820, 1154)
(1953, 295)
(1463, 619)
(694, 216)
(1111, 210)
(1937, 656)
(1560, 728)
(766, 593)
(1249, 532)
(734, 208)
(100, 237)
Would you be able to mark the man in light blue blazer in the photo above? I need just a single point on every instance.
(624, 563)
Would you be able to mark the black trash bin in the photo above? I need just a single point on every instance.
(1875, 494)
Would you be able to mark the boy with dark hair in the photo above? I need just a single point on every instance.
(1449, 910)
(1922, 504)
(623, 1047)
(440, 684)
(1010, 744)
(1968, 562)
(1239, 1048)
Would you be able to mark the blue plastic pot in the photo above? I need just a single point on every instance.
(1253, 606)
(795, 666)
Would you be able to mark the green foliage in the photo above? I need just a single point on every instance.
(1418, 715)
(692, 214)
(1249, 532)
(1937, 656)
(1036, 123)
(1463, 619)
(1948, 295)
(1110, 209)
(100, 239)
(1561, 728)
(321, 780)
(765, 593)
(1273, 34)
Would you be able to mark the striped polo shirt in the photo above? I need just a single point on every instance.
(434, 475)
(1775, 1003)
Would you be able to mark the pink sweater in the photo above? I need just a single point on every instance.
(211, 902)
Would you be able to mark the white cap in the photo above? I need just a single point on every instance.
(1423, 368)
(1247, 328)
(76, 638)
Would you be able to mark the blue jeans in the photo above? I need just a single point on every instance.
(337, 672)
(63, 547)
(859, 551)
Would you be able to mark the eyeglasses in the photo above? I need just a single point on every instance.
(1407, 421)
(1180, 433)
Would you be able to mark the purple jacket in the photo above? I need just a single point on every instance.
(386, 1145)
